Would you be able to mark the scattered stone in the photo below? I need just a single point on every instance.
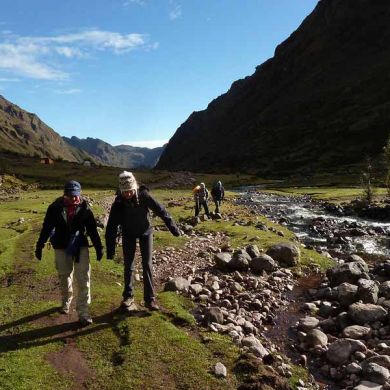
(376, 373)
(220, 370)
(308, 323)
(368, 291)
(262, 263)
(177, 284)
(347, 272)
(356, 332)
(316, 338)
(240, 260)
(363, 313)
(347, 293)
(286, 254)
(340, 350)
(253, 251)
(222, 260)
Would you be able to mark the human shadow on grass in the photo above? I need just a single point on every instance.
(61, 332)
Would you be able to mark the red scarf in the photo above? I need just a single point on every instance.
(71, 205)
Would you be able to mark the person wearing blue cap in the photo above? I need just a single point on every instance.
(67, 223)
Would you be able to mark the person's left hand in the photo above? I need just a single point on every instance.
(99, 254)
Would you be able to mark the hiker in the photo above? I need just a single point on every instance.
(67, 222)
(218, 195)
(130, 211)
(201, 196)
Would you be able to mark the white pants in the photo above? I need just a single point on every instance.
(81, 270)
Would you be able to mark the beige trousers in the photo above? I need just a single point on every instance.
(67, 268)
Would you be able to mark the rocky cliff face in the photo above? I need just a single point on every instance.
(24, 133)
(322, 101)
(120, 156)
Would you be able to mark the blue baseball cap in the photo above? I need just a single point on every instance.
(72, 188)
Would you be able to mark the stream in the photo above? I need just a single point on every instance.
(318, 229)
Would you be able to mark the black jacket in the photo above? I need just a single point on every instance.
(133, 217)
(83, 221)
(218, 193)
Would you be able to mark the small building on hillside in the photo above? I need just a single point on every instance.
(47, 161)
(87, 163)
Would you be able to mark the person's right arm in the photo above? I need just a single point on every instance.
(111, 231)
(47, 227)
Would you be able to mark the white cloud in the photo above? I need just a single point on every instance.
(24, 60)
(70, 91)
(69, 52)
(146, 144)
(175, 13)
(32, 56)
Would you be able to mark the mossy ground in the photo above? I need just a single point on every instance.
(143, 351)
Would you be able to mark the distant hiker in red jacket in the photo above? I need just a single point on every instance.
(201, 196)
(68, 219)
(130, 211)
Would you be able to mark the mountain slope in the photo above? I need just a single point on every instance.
(322, 101)
(24, 133)
(120, 156)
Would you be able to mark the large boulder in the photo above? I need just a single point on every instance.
(376, 373)
(177, 284)
(366, 313)
(262, 263)
(347, 272)
(214, 314)
(253, 250)
(222, 260)
(357, 332)
(240, 260)
(368, 291)
(384, 289)
(286, 254)
(308, 323)
(340, 350)
(346, 293)
(315, 338)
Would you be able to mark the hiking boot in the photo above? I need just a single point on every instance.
(152, 305)
(127, 302)
(85, 321)
(64, 309)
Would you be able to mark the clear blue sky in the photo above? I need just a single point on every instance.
(130, 71)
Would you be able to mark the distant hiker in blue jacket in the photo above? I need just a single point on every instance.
(67, 222)
(218, 195)
(130, 211)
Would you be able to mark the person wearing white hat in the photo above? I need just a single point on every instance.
(130, 210)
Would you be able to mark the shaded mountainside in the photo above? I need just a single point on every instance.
(24, 133)
(120, 156)
(322, 101)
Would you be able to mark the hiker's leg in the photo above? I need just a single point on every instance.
(129, 246)
(82, 274)
(146, 245)
(206, 209)
(64, 266)
(196, 209)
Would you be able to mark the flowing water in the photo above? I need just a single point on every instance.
(317, 228)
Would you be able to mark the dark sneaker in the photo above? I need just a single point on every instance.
(127, 302)
(85, 321)
(152, 305)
